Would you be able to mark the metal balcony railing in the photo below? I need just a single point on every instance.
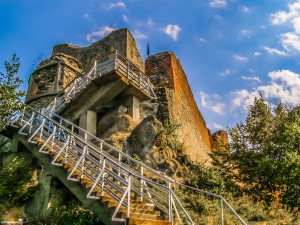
(118, 63)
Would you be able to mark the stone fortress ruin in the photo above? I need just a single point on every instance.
(172, 100)
(112, 129)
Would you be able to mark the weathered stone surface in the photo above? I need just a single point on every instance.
(109, 119)
(49, 195)
(121, 40)
(220, 138)
(143, 138)
(177, 104)
(52, 77)
(5, 144)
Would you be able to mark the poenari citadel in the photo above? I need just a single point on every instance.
(118, 133)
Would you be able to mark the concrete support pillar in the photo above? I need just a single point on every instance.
(133, 104)
(88, 121)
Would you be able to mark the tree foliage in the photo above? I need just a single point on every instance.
(263, 157)
(10, 96)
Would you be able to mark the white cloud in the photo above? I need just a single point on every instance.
(226, 72)
(125, 18)
(150, 22)
(172, 31)
(240, 58)
(116, 5)
(251, 78)
(296, 24)
(87, 16)
(211, 102)
(284, 85)
(243, 98)
(274, 51)
(138, 35)
(245, 33)
(218, 17)
(217, 126)
(246, 9)
(290, 41)
(201, 39)
(283, 16)
(218, 3)
(91, 37)
(256, 53)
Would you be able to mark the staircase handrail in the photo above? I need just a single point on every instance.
(60, 125)
(155, 172)
(217, 196)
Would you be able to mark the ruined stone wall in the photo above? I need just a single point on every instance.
(51, 78)
(177, 104)
(120, 40)
(43, 81)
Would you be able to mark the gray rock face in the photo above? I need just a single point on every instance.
(143, 137)
(5, 144)
(110, 119)
(50, 195)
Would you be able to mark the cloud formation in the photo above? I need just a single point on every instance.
(91, 37)
(290, 40)
(274, 51)
(212, 102)
(138, 35)
(172, 31)
(218, 3)
(240, 58)
(245, 33)
(116, 5)
(251, 78)
(284, 85)
(226, 73)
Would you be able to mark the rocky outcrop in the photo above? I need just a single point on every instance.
(220, 139)
(177, 104)
(143, 138)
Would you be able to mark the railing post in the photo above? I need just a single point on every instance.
(103, 177)
(100, 152)
(119, 167)
(129, 190)
(142, 188)
(170, 205)
(31, 124)
(116, 59)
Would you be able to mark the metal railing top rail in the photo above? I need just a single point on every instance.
(90, 135)
(80, 83)
(214, 195)
(62, 122)
(53, 126)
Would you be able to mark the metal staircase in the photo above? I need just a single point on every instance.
(138, 194)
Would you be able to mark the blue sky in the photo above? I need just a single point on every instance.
(231, 50)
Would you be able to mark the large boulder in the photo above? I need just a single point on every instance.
(142, 139)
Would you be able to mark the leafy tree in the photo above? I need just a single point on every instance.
(263, 157)
(10, 96)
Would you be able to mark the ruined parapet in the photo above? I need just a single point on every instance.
(121, 40)
(50, 78)
(177, 104)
